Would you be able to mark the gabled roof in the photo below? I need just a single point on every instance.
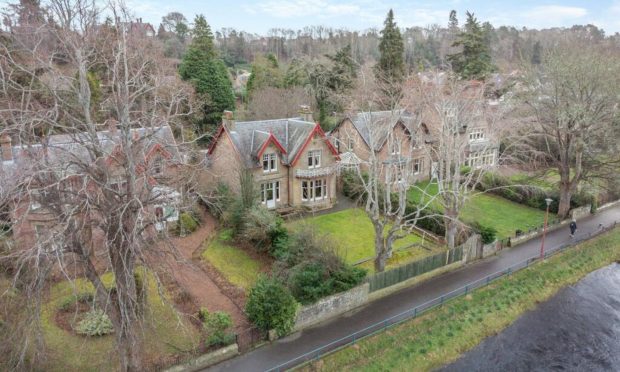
(63, 150)
(375, 126)
(251, 138)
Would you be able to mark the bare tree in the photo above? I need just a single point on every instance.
(97, 185)
(384, 168)
(465, 139)
(573, 95)
(271, 103)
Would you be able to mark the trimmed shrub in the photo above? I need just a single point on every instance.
(487, 233)
(187, 223)
(96, 323)
(218, 326)
(69, 301)
(271, 306)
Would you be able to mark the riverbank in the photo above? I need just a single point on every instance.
(442, 335)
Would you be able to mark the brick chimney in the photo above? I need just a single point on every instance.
(228, 120)
(305, 113)
(6, 148)
(112, 126)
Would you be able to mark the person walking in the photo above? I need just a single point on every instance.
(573, 227)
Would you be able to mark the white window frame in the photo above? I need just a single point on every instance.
(417, 166)
(314, 159)
(476, 135)
(158, 166)
(311, 187)
(274, 186)
(270, 163)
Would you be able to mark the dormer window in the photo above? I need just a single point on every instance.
(314, 158)
(270, 163)
(158, 166)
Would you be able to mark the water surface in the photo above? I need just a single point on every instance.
(576, 330)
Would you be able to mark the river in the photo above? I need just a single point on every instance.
(578, 329)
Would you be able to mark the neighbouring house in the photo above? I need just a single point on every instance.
(393, 137)
(292, 161)
(32, 222)
(139, 28)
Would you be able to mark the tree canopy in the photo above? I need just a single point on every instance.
(474, 59)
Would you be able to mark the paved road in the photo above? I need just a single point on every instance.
(283, 350)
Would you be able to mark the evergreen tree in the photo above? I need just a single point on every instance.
(536, 53)
(213, 85)
(390, 69)
(209, 76)
(453, 22)
(202, 36)
(474, 60)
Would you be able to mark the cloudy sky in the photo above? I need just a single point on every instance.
(261, 15)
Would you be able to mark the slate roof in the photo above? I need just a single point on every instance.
(376, 126)
(62, 149)
(250, 136)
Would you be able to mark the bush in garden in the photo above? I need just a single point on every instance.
(187, 223)
(487, 233)
(96, 323)
(271, 306)
(218, 327)
(67, 302)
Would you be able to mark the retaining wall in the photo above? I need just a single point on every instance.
(331, 306)
(207, 360)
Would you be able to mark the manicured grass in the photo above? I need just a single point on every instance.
(164, 332)
(490, 210)
(237, 266)
(353, 234)
(443, 334)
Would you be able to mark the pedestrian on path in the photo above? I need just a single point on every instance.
(573, 227)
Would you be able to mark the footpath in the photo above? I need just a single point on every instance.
(295, 345)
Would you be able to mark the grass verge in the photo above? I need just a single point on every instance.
(443, 334)
(353, 233)
(236, 265)
(165, 333)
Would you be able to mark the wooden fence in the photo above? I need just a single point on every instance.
(415, 268)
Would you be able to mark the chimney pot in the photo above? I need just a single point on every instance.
(305, 113)
(6, 148)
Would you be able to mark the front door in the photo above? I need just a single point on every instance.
(270, 193)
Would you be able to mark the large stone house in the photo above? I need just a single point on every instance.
(292, 161)
(391, 137)
(26, 197)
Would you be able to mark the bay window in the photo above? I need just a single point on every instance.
(313, 190)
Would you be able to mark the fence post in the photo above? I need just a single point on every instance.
(488, 279)
(441, 301)
(415, 311)
(466, 289)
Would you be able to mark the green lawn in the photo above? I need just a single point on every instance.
(237, 266)
(165, 333)
(353, 235)
(443, 334)
(489, 210)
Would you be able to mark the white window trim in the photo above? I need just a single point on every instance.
(315, 155)
(476, 135)
(417, 162)
(271, 159)
(311, 186)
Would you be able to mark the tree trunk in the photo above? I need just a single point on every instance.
(380, 248)
(451, 228)
(564, 203)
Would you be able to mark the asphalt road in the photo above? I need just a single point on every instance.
(300, 343)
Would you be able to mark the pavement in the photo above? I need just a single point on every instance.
(283, 350)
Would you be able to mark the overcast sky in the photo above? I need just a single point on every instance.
(261, 15)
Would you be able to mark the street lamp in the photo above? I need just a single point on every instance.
(542, 244)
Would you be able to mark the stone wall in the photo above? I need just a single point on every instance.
(331, 306)
(207, 360)
(580, 212)
(490, 249)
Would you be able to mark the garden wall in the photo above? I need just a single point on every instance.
(581, 212)
(331, 306)
(207, 360)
